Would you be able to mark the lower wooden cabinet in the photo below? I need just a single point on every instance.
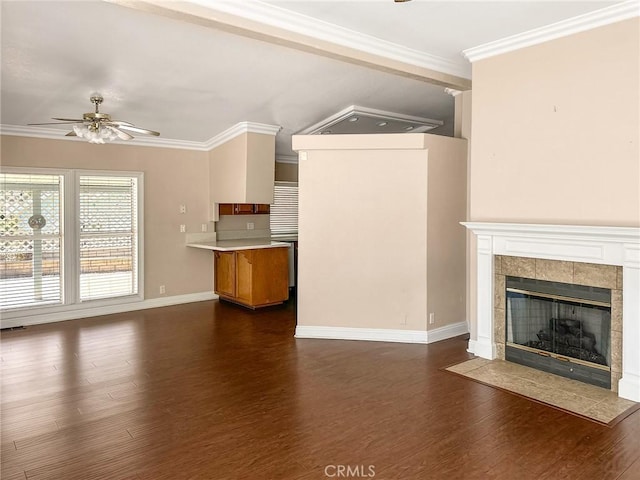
(254, 278)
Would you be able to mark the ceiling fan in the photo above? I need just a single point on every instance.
(98, 127)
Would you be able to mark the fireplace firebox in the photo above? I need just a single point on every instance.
(559, 328)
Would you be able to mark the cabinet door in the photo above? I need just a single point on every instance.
(243, 208)
(225, 209)
(244, 275)
(270, 276)
(261, 208)
(225, 273)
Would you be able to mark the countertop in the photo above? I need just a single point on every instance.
(241, 244)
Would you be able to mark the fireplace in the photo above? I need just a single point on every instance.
(560, 328)
(591, 256)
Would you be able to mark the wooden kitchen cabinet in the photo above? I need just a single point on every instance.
(243, 208)
(254, 278)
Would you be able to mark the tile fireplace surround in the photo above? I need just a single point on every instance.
(618, 246)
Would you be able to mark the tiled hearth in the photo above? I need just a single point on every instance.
(610, 254)
(578, 273)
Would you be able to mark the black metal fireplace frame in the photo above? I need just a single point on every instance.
(569, 367)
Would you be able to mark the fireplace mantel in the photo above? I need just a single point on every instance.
(591, 244)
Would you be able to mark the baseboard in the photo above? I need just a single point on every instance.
(448, 331)
(629, 387)
(481, 349)
(75, 313)
(381, 334)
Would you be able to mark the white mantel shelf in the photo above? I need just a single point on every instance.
(592, 244)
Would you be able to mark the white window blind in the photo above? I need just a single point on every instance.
(284, 210)
(31, 239)
(108, 236)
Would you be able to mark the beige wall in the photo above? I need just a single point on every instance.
(556, 131)
(446, 238)
(363, 230)
(242, 169)
(556, 134)
(228, 170)
(172, 177)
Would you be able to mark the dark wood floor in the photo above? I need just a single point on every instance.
(213, 391)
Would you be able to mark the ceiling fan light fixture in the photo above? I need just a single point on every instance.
(96, 127)
(95, 133)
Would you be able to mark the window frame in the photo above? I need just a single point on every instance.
(70, 251)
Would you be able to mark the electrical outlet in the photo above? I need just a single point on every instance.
(250, 225)
(183, 209)
(163, 290)
(183, 228)
(204, 227)
(432, 318)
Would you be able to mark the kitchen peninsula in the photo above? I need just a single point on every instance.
(252, 272)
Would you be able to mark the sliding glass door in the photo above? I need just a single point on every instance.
(31, 240)
(69, 238)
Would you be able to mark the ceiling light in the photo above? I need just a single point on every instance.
(95, 133)
(370, 120)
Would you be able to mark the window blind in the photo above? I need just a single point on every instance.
(108, 225)
(284, 210)
(30, 240)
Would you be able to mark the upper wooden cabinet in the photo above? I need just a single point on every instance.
(243, 208)
(242, 170)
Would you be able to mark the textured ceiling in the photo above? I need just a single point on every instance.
(192, 82)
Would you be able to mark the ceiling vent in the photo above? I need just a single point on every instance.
(362, 120)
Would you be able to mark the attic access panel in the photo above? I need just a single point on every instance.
(362, 120)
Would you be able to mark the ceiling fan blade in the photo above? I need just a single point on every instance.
(55, 123)
(71, 134)
(75, 120)
(121, 135)
(138, 130)
(120, 122)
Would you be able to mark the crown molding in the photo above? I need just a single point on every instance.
(310, 27)
(55, 134)
(234, 131)
(239, 129)
(605, 16)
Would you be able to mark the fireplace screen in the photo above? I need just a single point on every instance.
(570, 324)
